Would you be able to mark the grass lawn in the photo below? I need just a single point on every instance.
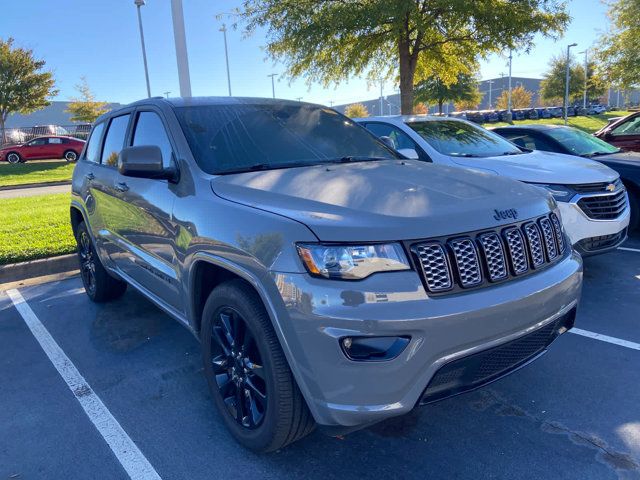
(35, 172)
(35, 227)
(590, 124)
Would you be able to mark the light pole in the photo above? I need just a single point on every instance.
(490, 102)
(226, 55)
(138, 4)
(381, 106)
(273, 85)
(509, 96)
(566, 83)
(586, 66)
(166, 94)
(180, 40)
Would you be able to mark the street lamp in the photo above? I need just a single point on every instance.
(166, 94)
(490, 82)
(180, 39)
(273, 85)
(140, 3)
(226, 55)
(509, 97)
(584, 96)
(566, 83)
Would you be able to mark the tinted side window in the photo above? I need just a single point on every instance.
(114, 141)
(400, 138)
(631, 127)
(523, 140)
(38, 141)
(93, 146)
(150, 131)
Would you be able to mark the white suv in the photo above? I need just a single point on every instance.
(592, 199)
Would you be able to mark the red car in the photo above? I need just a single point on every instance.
(52, 146)
(623, 133)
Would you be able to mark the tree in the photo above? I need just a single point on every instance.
(520, 98)
(85, 109)
(420, 109)
(329, 41)
(356, 110)
(618, 49)
(553, 84)
(24, 87)
(434, 89)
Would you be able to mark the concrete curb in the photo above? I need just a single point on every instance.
(34, 185)
(14, 272)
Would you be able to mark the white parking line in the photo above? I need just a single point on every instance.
(627, 249)
(606, 338)
(130, 457)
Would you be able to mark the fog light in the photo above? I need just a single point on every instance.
(373, 349)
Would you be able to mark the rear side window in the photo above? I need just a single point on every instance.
(93, 146)
(55, 141)
(114, 141)
(150, 131)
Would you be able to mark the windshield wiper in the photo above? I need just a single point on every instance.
(512, 153)
(265, 166)
(597, 154)
(468, 155)
(356, 158)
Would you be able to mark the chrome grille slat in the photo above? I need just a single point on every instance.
(435, 266)
(493, 250)
(604, 207)
(516, 249)
(557, 229)
(549, 238)
(466, 261)
(534, 240)
(472, 260)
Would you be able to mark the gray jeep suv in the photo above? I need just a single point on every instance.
(329, 280)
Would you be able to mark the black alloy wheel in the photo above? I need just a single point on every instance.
(238, 368)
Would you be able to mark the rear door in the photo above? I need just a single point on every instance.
(146, 233)
(54, 147)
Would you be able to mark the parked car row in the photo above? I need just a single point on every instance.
(21, 135)
(331, 280)
(493, 116)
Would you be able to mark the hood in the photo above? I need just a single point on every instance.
(385, 200)
(620, 158)
(10, 145)
(543, 167)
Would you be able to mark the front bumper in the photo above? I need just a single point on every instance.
(317, 313)
(582, 230)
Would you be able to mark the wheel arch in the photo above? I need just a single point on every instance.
(77, 216)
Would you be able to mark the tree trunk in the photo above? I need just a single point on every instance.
(2, 130)
(407, 71)
(440, 102)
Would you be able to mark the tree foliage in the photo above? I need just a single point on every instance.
(356, 110)
(435, 90)
(85, 108)
(618, 48)
(553, 84)
(328, 41)
(24, 86)
(520, 98)
(420, 109)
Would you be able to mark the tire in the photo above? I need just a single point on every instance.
(70, 156)
(14, 157)
(99, 285)
(232, 310)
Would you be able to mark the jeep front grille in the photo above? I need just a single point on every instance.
(481, 258)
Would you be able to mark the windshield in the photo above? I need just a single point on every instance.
(462, 139)
(581, 143)
(241, 137)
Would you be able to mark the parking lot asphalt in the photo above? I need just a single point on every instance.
(574, 413)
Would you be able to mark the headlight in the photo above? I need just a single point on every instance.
(352, 262)
(559, 192)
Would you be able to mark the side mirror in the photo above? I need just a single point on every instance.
(144, 161)
(409, 153)
(388, 141)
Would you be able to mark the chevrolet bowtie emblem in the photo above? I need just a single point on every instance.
(611, 187)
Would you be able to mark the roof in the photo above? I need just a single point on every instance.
(411, 118)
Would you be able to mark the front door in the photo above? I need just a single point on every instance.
(34, 149)
(147, 232)
(626, 135)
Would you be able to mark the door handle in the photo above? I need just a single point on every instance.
(122, 187)
(89, 176)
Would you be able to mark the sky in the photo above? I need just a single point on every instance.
(100, 40)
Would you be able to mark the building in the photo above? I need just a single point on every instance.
(54, 114)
